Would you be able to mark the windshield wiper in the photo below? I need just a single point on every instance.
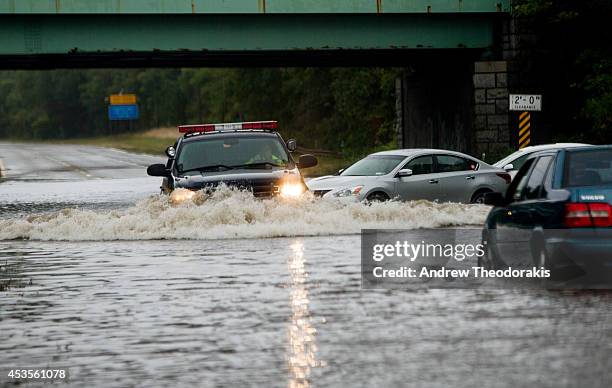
(259, 164)
(207, 168)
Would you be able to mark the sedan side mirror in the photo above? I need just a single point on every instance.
(158, 170)
(292, 145)
(307, 161)
(509, 167)
(404, 172)
(494, 199)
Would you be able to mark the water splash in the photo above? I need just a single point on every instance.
(230, 214)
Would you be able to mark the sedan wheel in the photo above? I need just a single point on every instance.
(377, 197)
(479, 197)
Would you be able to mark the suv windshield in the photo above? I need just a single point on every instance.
(588, 168)
(374, 165)
(231, 152)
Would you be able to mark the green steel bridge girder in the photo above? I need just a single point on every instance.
(249, 6)
(78, 34)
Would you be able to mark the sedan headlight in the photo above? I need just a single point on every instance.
(292, 189)
(348, 192)
(181, 195)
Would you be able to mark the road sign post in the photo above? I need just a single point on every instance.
(525, 104)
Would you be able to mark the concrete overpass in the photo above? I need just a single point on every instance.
(446, 47)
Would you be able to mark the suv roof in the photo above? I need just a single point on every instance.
(570, 147)
(536, 148)
(188, 128)
(233, 133)
(542, 147)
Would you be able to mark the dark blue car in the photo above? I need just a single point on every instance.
(556, 215)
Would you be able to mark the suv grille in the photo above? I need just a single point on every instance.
(261, 188)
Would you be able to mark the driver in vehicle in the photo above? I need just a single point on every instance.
(266, 153)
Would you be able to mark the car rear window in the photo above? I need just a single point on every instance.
(588, 168)
(449, 163)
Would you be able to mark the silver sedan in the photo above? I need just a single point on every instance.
(409, 174)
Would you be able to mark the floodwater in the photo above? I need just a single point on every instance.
(100, 275)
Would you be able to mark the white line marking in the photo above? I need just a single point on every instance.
(70, 166)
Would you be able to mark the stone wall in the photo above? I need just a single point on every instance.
(491, 119)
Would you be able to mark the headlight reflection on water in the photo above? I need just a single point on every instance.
(302, 348)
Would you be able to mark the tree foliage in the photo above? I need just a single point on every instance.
(572, 57)
(332, 108)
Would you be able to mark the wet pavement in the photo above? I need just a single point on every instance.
(232, 306)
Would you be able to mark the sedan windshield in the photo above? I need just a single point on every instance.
(214, 154)
(374, 165)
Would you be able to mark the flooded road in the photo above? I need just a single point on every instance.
(100, 275)
(38, 178)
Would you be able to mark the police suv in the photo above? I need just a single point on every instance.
(249, 155)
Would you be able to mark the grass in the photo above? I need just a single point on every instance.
(327, 165)
(155, 141)
(152, 142)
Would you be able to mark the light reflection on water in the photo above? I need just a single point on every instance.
(302, 335)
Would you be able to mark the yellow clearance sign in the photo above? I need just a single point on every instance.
(524, 129)
(122, 99)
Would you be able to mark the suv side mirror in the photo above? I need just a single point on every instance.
(509, 167)
(404, 172)
(291, 145)
(307, 161)
(494, 199)
(158, 170)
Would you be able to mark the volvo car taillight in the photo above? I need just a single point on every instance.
(586, 215)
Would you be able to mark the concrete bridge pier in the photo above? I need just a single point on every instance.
(436, 100)
(456, 103)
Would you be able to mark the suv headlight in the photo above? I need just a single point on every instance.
(348, 192)
(291, 189)
(181, 195)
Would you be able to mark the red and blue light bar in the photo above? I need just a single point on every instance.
(228, 126)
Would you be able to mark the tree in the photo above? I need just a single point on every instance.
(572, 57)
